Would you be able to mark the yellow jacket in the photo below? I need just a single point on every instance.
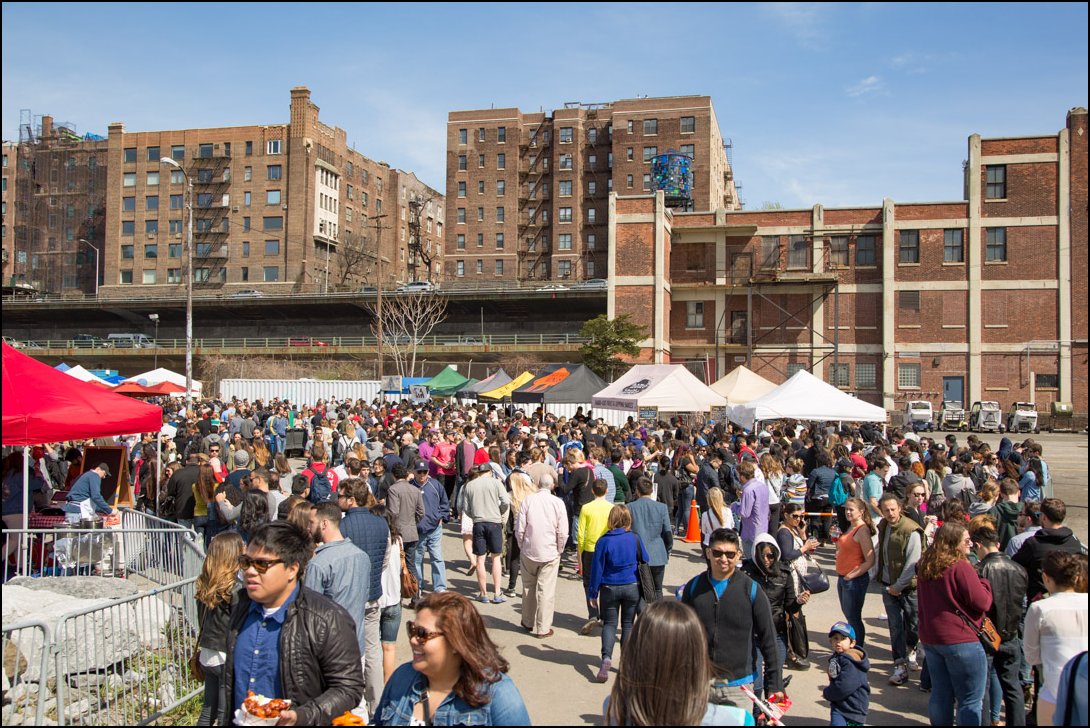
(593, 522)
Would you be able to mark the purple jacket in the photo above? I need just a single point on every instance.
(754, 510)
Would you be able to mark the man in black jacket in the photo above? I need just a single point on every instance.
(1009, 582)
(735, 613)
(289, 642)
(1053, 536)
(178, 504)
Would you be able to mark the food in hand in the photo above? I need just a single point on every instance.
(261, 707)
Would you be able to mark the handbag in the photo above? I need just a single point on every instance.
(986, 633)
(810, 574)
(798, 639)
(195, 668)
(410, 588)
(648, 592)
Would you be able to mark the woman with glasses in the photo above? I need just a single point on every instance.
(916, 503)
(854, 557)
(794, 544)
(457, 675)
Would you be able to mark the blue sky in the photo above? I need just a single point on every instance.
(830, 103)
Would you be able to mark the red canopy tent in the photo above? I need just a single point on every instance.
(42, 405)
(165, 388)
(134, 389)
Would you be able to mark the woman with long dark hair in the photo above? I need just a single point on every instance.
(217, 593)
(953, 600)
(685, 469)
(457, 675)
(254, 513)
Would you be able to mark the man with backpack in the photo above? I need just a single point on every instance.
(323, 480)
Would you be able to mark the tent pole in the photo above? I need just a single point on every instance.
(158, 467)
(25, 557)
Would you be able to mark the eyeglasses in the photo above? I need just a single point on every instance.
(259, 565)
(919, 493)
(717, 554)
(422, 635)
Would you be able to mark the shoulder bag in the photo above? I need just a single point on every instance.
(410, 588)
(810, 574)
(648, 592)
(986, 633)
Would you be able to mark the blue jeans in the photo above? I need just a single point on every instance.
(837, 718)
(903, 623)
(612, 598)
(433, 544)
(956, 670)
(684, 503)
(852, 593)
(1005, 686)
(759, 663)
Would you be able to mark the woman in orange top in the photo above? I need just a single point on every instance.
(854, 558)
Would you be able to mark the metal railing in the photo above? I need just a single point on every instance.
(24, 676)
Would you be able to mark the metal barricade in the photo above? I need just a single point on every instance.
(26, 651)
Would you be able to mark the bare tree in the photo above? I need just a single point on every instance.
(407, 319)
(356, 257)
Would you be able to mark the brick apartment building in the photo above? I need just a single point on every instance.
(979, 299)
(527, 193)
(277, 207)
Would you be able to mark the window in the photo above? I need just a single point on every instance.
(275, 171)
(461, 242)
(591, 241)
(460, 268)
(127, 252)
(481, 134)
(480, 161)
(592, 161)
(499, 241)
(501, 161)
(794, 368)
(151, 202)
(272, 146)
(592, 136)
(995, 182)
(153, 154)
(631, 126)
(838, 252)
(501, 188)
(909, 249)
(694, 314)
(563, 269)
(590, 268)
(130, 154)
(908, 300)
(649, 152)
(151, 250)
(463, 136)
(480, 187)
(176, 177)
(128, 227)
(565, 161)
(630, 154)
(501, 134)
(461, 189)
(177, 152)
(591, 215)
(500, 215)
(174, 227)
(650, 126)
(151, 227)
(565, 135)
(272, 273)
(565, 214)
(480, 240)
(908, 376)
(953, 246)
(204, 176)
(565, 188)
(272, 197)
(480, 214)
(995, 245)
(204, 199)
(689, 150)
(245, 224)
(770, 253)
(204, 151)
(462, 215)
(174, 275)
(1047, 381)
(125, 277)
(647, 181)
(865, 252)
(592, 187)
(480, 266)
(688, 124)
(462, 163)
(798, 252)
(564, 241)
(629, 181)
(273, 223)
(838, 376)
(128, 204)
(866, 376)
(272, 247)
(128, 179)
(499, 267)
(153, 179)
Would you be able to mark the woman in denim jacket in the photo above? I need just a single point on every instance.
(456, 677)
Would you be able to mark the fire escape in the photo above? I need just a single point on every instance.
(598, 172)
(534, 245)
(211, 175)
(419, 251)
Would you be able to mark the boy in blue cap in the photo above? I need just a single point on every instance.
(848, 691)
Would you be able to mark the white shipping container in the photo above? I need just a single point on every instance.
(299, 391)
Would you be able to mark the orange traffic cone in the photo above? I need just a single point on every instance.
(692, 535)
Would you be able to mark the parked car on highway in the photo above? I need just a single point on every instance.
(306, 341)
(591, 284)
(131, 341)
(418, 287)
(247, 293)
(554, 287)
(90, 341)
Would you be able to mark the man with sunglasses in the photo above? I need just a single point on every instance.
(287, 641)
(736, 614)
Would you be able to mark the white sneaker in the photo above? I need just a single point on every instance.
(899, 676)
(913, 661)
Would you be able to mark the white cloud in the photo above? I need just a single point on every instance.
(869, 85)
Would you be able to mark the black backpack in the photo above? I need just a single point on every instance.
(321, 488)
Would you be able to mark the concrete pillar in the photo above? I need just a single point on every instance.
(974, 260)
(1063, 257)
(817, 323)
(889, 305)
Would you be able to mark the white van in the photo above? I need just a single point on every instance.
(131, 341)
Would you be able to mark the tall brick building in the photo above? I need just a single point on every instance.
(982, 298)
(278, 207)
(527, 193)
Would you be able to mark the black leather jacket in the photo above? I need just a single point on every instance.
(320, 665)
(1009, 582)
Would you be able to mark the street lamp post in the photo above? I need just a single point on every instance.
(92, 247)
(155, 319)
(188, 283)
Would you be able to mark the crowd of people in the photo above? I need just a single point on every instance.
(309, 569)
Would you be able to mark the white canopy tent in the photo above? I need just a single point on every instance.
(805, 397)
(742, 385)
(164, 375)
(85, 376)
(668, 387)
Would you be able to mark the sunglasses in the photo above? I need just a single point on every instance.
(422, 635)
(717, 554)
(259, 565)
(919, 494)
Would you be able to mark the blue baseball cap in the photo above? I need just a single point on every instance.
(843, 628)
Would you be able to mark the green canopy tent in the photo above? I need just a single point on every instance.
(447, 382)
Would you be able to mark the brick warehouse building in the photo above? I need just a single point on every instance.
(527, 192)
(276, 207)
(983, 298)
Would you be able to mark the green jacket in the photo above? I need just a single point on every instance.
(900, 556)
(624, 490)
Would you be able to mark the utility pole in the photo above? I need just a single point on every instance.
(170, 162)
(378, 287)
